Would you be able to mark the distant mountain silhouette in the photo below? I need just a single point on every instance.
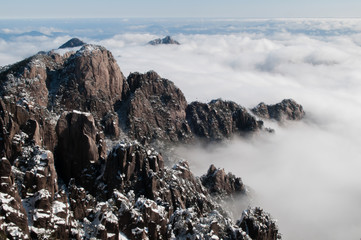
(166, 40)
(74, 42)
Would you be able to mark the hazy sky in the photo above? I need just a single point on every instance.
(184, 8)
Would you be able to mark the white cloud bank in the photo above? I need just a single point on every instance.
(22, 47)
(307, 175)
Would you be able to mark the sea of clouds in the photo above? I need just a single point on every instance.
(307, 174)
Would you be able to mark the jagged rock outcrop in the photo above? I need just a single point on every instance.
(258, 224)
(74, 42)
(32, 129)
(166, 40)
(155, 109)
(143, 172)
(37, 183)
(39, 169)
(172, 203)
(288, 109)
(140, 198)
(128, 165)
(90, 81)
(110, 125)
(41, 87)
(220, 119)
(219, 182)
(23, 105)
(79, 144)
(13, 217)
(16, 119)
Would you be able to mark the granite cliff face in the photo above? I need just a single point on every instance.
(43, 86)
(155, 109)
(79, 144)
(77, 159)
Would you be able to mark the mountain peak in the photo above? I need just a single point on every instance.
(166, 40)
(88, 49)
(74, 42)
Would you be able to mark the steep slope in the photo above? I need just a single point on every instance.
(155, 109)
(41, 87)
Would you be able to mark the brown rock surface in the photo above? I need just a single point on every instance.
(288, 109)
(39, 169)
(218, 182)
(259, 225)
(128, 166)
(32, 129)
(46, 84)
(155, 109)
(13, 217)
(79, 145)
(220, 119)
(93, 81)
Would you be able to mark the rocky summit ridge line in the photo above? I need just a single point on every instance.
(61, 179)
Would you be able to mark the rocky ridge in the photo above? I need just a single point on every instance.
(59, 179)
(288, 109)
(220, 119)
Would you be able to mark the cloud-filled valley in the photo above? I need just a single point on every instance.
(306, 174)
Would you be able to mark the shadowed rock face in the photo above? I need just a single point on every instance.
(74, 80)
(155, 109)
(219, 182)
(78, 144)
(93, 81)
(15, 119)
(43, 86)
(220, 119)
(258, 224)
(166, 40)
(74, 42)
(288, 109)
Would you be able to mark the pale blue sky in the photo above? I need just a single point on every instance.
(177, 8)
